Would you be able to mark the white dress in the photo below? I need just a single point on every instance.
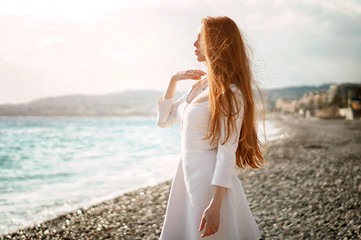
(202, 165)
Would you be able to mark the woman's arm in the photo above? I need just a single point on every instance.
(211, 216)
(166, 108)
(169, 93)
(224, 169)
(226, 153)
(218, 195)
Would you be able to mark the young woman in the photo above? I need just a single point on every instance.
(218, 131)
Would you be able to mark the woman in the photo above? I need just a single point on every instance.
(217, 126)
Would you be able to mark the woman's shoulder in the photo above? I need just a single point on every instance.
(235, 90)
(233, 87)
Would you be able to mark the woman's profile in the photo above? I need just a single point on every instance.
(217, 125)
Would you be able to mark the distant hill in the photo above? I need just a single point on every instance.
(294, 92)
(127, 103)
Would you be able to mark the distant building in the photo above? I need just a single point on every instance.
(342, 95)
(342, 100)
(286, 105)
(347, 98)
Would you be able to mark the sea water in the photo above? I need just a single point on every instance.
(50, 166)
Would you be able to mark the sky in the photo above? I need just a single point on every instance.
(61, 47)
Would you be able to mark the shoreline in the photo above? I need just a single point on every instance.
(309, 188)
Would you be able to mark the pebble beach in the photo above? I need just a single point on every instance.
(309, 188)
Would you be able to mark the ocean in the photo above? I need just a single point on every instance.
(50, 166)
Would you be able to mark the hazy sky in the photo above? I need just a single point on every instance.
(50, 47)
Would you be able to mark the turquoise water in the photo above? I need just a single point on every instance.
(53, 165)
(50, 166)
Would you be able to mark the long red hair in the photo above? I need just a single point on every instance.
(228, 63)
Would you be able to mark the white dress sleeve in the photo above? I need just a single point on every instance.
(167, 111)
(226, 154)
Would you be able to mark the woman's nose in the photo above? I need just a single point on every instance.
(195, 43)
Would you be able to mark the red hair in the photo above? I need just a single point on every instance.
(228, 63)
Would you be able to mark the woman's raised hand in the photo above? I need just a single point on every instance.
(194, 74)
(189, 74)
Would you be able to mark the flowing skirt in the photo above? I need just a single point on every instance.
(191, 193)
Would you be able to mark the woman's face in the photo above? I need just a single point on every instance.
(199, 52)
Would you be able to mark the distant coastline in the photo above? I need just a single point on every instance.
(122, 104)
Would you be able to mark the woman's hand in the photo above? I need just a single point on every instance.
(189, 74)
(211, 216)
(210, 219)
